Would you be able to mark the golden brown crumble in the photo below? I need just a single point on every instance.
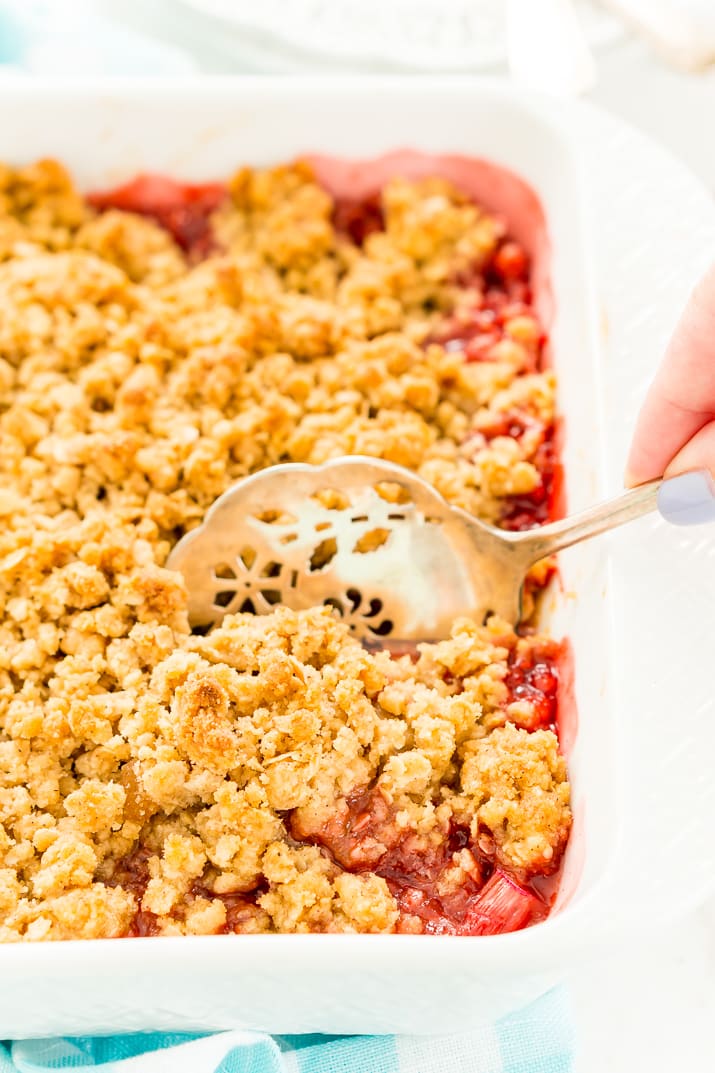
(152, 781)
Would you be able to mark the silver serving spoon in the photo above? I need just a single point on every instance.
(381, 546)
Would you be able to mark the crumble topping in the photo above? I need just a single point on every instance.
(273, 775)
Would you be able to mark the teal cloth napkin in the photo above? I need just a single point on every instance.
(536, 1039)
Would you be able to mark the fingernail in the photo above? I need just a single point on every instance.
(688, 499)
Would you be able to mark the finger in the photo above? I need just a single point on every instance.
(698, 453)
(688, 498)
(681, 399)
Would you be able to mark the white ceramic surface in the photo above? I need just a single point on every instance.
(650, 1003)
(353, 983)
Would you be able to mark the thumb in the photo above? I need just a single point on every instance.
(698, 453)
(687, 494)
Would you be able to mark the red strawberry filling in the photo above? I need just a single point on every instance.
(183, 209)
(446, 885)
(358, 217)
(533, 676)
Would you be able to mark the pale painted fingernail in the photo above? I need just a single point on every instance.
(688, 499)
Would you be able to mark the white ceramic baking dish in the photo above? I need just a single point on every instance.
(379, 983)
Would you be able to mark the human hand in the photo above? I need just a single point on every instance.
(675, 431)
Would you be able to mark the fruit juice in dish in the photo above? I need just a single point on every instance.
(272, 776)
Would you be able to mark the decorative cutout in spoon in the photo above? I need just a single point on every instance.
(380, 545)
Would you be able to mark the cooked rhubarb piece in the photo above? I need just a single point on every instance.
(502, 905)
(510, 261)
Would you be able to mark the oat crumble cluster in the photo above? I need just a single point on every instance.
(272, 775)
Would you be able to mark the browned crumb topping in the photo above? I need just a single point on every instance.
(152, 781)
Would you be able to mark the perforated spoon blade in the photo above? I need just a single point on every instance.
(374, 541)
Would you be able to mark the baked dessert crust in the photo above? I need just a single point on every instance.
(152, 781)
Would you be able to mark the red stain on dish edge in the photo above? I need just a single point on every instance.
(567, 717)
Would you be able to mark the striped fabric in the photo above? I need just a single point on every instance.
(537, 1039)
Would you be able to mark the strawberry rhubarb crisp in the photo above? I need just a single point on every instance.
(156, 344)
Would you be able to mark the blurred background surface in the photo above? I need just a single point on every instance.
(654, 59)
